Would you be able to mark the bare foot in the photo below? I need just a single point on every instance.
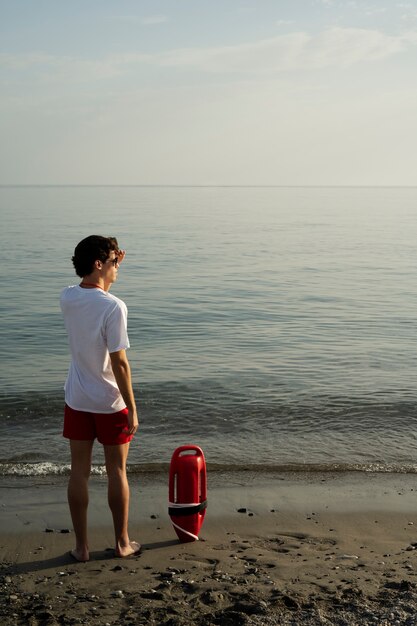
(80, 555)
(130, 550)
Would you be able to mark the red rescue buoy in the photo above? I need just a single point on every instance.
(187, 492)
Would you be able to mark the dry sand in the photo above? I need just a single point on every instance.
(307, 550)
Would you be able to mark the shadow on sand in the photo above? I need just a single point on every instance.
(64, 560)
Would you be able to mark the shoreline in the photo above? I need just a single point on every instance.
(30, 504)
(307, 550)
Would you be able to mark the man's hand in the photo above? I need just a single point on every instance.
(121, 370)
(120, 255)
(133, 422)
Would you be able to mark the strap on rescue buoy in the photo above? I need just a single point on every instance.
(177, 509)
(187, 532)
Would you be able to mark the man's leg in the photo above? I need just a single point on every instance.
(81, 453)
(118, 495)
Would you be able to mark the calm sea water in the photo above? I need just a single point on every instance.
(272, 326)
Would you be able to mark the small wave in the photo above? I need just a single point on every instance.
(46, 468)
(42, 469)
(56, 469)
(318, 468)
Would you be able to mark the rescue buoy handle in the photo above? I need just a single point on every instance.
(189, 448)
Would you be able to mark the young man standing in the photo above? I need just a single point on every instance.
(99, 400)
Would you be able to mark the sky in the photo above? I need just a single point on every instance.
(215, 92)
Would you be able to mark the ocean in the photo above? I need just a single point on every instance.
(274, 327)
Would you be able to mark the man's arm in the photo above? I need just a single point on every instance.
(121, 371)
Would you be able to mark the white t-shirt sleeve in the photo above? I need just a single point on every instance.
(115, 328)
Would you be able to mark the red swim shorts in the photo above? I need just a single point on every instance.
(106, 427)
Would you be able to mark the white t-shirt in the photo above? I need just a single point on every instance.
(96, 322)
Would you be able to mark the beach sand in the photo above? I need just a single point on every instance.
(304, 549)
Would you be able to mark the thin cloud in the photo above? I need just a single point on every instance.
(294, 51)
(148, 20)
(284, 22)
(371, 11)
(299, 51)
(47, 68)
(152, 20)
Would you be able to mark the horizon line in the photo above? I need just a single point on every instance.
(214, 185)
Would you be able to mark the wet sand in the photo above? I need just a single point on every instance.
(273, 550)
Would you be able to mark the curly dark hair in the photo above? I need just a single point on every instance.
(91, 249)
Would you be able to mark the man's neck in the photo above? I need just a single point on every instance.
(95, 280)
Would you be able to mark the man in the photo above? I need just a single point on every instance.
(99, 400)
